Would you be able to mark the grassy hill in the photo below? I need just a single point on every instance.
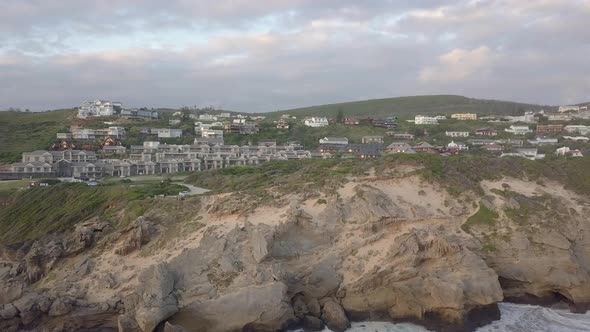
(409, 106)
(23, 131)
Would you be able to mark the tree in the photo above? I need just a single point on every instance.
(339, 115)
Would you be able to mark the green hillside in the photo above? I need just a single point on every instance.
(24, 131)
(409, 106)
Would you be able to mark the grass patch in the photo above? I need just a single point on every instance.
(21, 131)
(484, 216)
(285, 176)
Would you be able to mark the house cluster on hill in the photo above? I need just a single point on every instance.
(105, 108)
(532, 135)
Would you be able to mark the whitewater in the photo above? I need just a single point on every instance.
(515, 318)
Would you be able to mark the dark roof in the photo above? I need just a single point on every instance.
(366, 149)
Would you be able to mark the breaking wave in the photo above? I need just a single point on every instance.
(515, 318)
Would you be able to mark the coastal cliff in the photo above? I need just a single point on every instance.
(385, 244)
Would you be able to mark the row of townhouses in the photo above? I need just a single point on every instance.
(152, 158)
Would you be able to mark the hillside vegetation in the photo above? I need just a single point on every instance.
(24, 131)
(409, 106)
(31, 213)
(458, 173)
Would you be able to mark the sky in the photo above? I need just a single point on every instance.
(266, 55)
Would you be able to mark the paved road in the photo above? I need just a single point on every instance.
(195, 190)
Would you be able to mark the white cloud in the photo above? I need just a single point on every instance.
(459, 65)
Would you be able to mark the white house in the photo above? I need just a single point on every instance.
(579, 129)
(568, 108)
(559, 117)
(577, 138)
(457, 133)
(334, 140)
(211, 133)
(207, 117)
(543, 141)
(425, 120)
(518, 130)
(169, 133)
(88, 133)
(63, 135)
(457, 146)
(316, 122)
(464, 116)
(566, 151)
(531, 154)
(528, 117)
(96, 108)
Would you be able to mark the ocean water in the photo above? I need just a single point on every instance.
(515, 318)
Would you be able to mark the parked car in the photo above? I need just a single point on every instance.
(183, 194)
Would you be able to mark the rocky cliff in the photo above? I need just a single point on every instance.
(394, 248)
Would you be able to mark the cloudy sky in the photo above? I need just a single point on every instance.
(262, 55)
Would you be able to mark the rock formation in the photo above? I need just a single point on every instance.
(381, 249)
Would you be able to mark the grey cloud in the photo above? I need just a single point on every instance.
(306, 52)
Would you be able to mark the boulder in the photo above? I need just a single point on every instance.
(313, 305)
(39, 259)
(127, 324)
(254, 308)
(60, 306)
(260, 240)
(299, 307)
(10, 325)
(10, 290)
(156, 300)
(28, 308)
(311, 323)
(173, 328)
(8, 311)
(334, 317)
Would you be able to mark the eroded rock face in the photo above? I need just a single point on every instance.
(543, 273)
(255, 308)
(543, 253)
(135, 235)
(155, 300)
(421, 276)
(370, 205)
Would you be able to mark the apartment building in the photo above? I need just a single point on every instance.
(464, 116)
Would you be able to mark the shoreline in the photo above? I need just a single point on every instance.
(509, 310)
(475, 320)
